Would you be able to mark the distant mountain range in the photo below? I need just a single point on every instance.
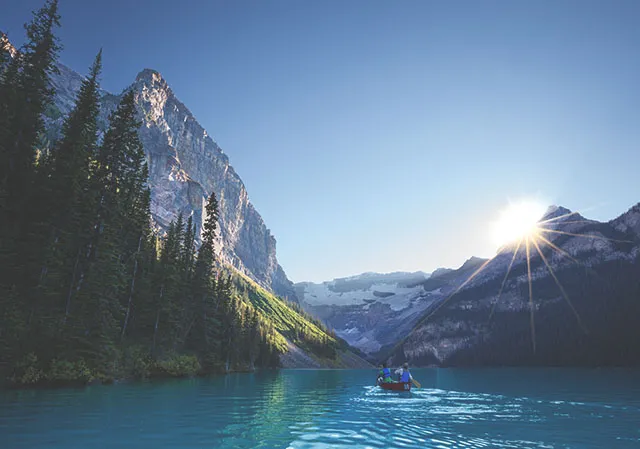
(369, 311)
(477, 315)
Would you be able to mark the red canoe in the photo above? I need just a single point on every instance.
(396, 386)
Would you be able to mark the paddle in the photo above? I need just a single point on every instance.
(416, 383)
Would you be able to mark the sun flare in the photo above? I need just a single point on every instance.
(522, 226)
(518, 221)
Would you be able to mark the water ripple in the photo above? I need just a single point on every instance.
(331, 409)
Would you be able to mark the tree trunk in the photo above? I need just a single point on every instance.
(226, 363)
(133, 281)
(204, 318)
(155, 327)
(73, 278)
(155, 333)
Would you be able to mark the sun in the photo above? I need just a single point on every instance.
(524, 227)
(517, 221)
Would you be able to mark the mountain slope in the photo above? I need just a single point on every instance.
(592, 320)
(185, 166)
(304, 343)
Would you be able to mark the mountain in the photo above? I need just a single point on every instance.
(373, 311)
(444, 319)
(585, 285)
(185, 166)
(370, 311)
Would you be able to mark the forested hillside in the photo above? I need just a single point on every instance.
(88, 289)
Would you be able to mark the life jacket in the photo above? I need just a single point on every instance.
(406, 377)
(386, 372)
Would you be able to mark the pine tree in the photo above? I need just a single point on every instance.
(253, 337)
(166, 322)
(67, 201)
(25, 92)
(204, 300)
(204, 263)
(228, 309)
(12, 327)
(121, 226)
(189, 250)
(32, 92)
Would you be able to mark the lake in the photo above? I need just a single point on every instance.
(456, 408)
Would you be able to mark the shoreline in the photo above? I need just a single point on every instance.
(55, 385)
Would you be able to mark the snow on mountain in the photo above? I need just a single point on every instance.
(373, 311)
(396, 297)
(368, 309)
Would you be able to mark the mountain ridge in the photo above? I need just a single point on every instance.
(597, 264)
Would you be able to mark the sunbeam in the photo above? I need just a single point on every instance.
(517, 226)
(515, 254)
(570, 222)
(559, 217)
(469, 279)
(533, 327)
(564, 293)
(557, 248)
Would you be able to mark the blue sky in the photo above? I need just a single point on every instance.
(386, 136)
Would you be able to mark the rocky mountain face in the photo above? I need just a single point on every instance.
(185, 166)
(374, 311)
(584, 292)
(370, 311)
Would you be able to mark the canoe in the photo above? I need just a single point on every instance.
(396, 386)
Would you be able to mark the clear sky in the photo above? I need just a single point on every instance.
(387, 135)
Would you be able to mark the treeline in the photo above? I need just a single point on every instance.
(87, 289)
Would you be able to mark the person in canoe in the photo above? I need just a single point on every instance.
(404, 374)
(384, 376)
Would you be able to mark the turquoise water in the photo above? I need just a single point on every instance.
(484, 408)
